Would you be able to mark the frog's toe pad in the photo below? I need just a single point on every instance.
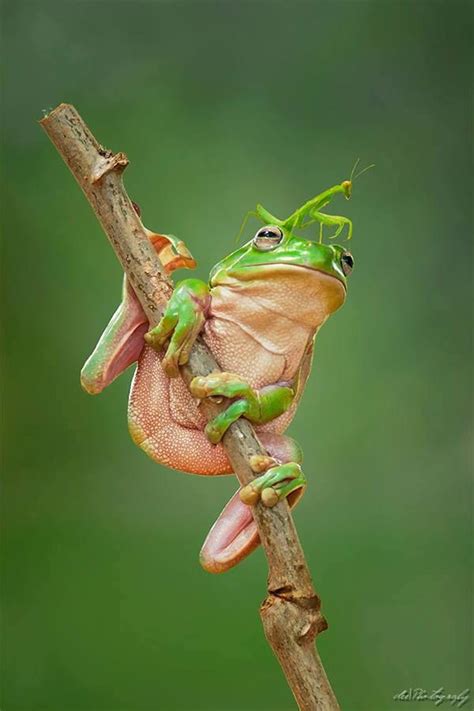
(249, 495)
(261, 462)
(270, 497)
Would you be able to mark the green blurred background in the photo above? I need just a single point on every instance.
(219, 106)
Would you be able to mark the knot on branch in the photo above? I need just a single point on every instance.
(302, 616)
(108, 163)
(288, 592)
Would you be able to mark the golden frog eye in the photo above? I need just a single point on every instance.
(267, 238)
(347, 263)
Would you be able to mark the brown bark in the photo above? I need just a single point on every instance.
(291, 612)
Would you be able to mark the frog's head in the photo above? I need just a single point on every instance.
(279, 266)
(275, 245)
(279, 262)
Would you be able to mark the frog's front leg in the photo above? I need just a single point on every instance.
(258, 406)
(183, 319)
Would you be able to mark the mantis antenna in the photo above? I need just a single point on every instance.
(353, 177)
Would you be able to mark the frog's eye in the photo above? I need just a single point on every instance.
(268, 238)
(347, 263)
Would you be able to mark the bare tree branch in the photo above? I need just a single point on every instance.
(291, 612)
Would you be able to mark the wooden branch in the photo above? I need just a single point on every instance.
(291, 612)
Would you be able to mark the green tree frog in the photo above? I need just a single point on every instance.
(259, 315)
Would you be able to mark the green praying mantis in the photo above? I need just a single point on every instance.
(311, 210)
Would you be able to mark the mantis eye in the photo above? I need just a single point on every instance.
(347, 263)
(268, 238)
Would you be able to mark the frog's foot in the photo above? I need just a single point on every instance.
(274, 485)
(257, 406)
(234, 535)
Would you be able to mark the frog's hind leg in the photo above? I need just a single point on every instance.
(165, 422)
(123, 340)
(234, 535)
(119, 346)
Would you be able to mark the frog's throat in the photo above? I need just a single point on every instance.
(280, 311)
(309, 295)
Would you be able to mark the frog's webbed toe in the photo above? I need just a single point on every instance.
(276, 484)
(280, 474)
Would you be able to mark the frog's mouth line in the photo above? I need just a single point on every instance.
(290, 265)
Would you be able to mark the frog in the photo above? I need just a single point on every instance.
(259, 314)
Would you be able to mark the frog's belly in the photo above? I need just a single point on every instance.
(239, 352)
(235, 352)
